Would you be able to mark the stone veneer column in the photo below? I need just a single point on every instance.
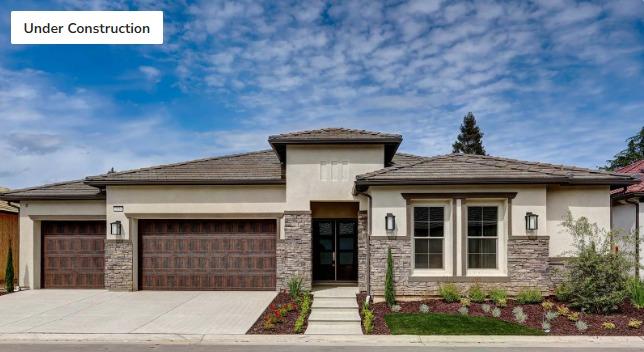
(295, 249)
(119, 265)
(363, 232)
(529, 263)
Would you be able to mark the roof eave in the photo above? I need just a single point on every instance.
(18, 197)
(627, 195)
(279, 144)
(101, 183)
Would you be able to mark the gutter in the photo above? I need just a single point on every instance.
(367, 241)
(637, 235)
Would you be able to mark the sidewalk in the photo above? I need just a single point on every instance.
(334, 340)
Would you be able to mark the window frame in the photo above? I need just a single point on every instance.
(501, 238)
(448, 238)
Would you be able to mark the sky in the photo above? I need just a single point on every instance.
(554, 81)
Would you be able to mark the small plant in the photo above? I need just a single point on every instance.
(563, 310)
(562, 292)
(463, 310)
(269, 321)
(581, 325)
(519, 315)
(517, 309)
(305, 309)
(551, 315)
(634, 323)
(368, 316)
(423, 308)
(395, 308)
(529, 296)
(465, 302)
(635, 293)
(476, 294)
(390, 294)
(545, 325)
(608, 325)
(496, 312)
(295, 287)
(573, 316)
(486, 308)
(8, 274)
(499, 295)
(547, 305)
(450, 293)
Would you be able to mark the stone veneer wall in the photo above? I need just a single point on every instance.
(294, 250)
(363, 229)
(119, 265)
(528, 266)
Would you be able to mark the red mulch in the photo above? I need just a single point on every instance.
(559, 326)
(288, 322)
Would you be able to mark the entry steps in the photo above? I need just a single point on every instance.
(334, 311)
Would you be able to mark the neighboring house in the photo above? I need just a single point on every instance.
(324, 204)
(628, 212)
(9, 234)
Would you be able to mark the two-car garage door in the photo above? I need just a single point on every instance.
(173, 254)
(207, 254)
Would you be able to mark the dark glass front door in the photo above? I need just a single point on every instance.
(335, 256)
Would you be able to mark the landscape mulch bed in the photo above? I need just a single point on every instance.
(288, 322)
(535, 312)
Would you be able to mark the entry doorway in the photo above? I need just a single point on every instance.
(335, 254)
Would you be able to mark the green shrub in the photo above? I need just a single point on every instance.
(8, 274)
(596, 277)
(305, 308)
(450, 293)
(636, 293)
(295, 287)
(529, 296)
(499, 296)
(367, 318)
(562, 292)
(476, 294)
(390, 294)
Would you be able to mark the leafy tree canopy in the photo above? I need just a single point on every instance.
(634, 151)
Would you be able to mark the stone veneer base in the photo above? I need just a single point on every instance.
(294, 250)
(119, 265)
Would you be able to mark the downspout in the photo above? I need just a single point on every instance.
(637, 235)
(367, 240)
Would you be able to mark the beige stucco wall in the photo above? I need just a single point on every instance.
(303, 172)
(31, 215)
(624, 217)
(593, 202)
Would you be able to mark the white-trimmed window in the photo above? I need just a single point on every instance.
(485, 242)
(432, 239)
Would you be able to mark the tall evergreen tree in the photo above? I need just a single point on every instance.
(390, 293)
(470, 140)
(634, 151)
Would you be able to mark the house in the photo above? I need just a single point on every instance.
(627, 211)
(325, 205)
(8, 234)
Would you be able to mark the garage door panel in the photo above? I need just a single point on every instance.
(73, 254)
(208, 254)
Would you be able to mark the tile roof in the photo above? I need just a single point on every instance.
(4, 206)
(62, 190)
(635, 169)
(476, 169)
(260, 167)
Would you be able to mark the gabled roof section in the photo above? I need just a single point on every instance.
(256, 168)
(636, 170)
(336, 136)
(76, 190)
(478, 169)
(5, 207)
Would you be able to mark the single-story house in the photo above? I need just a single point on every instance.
(627, 209)
(8, 235)
(325, 205)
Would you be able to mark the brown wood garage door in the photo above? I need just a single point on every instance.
(73, 254)
(207, 254)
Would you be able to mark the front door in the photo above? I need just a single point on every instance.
(335, 257)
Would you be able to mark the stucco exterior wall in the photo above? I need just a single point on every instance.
(624, 221)
(31, 215)
(593, 202)
(306, 182)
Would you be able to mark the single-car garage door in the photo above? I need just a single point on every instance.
(207, 254)
(73, 254)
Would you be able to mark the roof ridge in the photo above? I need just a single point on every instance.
(228, 156)
(17, 190)
(331, 129)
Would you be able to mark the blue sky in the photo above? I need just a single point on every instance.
(555, 81)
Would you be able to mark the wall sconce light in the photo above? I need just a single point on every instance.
(531, 221)
(115, 228)
(390, 222)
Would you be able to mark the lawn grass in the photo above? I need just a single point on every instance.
(451, 324)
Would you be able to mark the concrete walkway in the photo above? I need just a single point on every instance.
(143, 312)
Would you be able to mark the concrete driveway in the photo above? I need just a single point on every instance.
(103, 312)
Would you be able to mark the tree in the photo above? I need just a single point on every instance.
(634, 151)
(470, 140)
(390, 295)
(8, 274)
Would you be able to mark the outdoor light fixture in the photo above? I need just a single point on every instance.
(115, 228)
(390, 222)
(531, 221)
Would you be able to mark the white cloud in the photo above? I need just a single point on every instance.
(151, 74)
